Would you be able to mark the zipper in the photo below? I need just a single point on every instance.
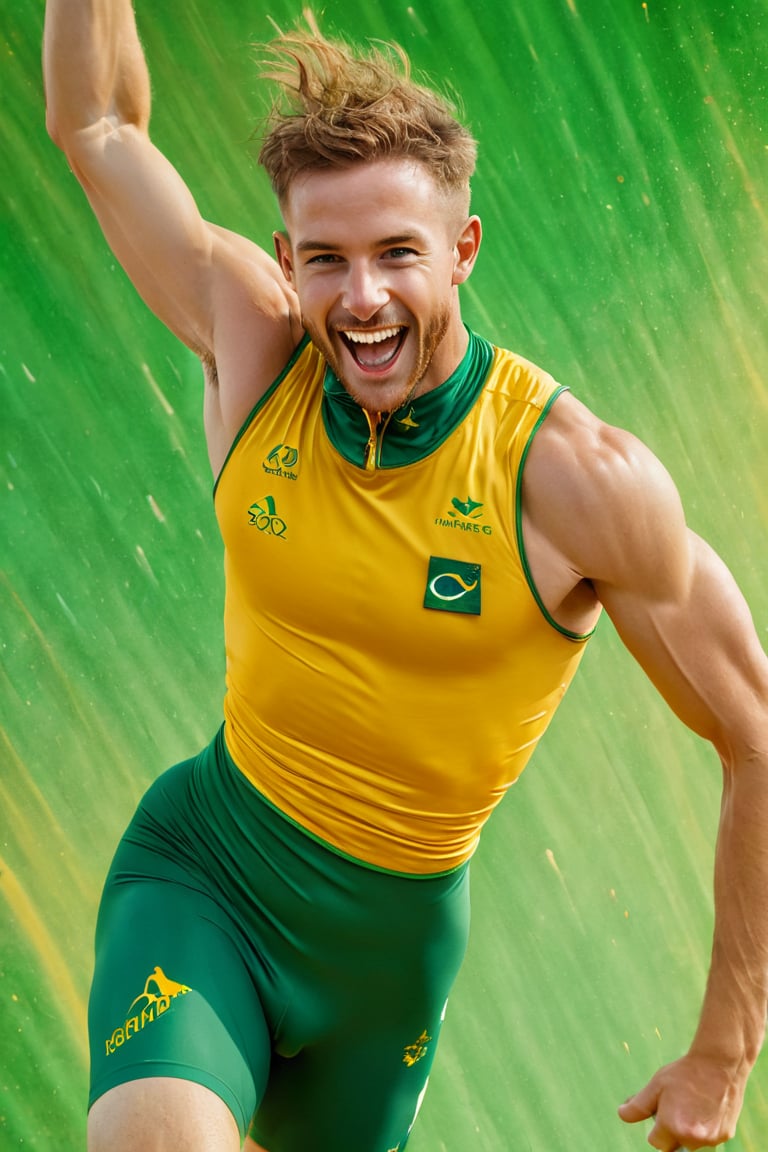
(372, 454)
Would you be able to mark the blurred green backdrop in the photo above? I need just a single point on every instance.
(622, 184)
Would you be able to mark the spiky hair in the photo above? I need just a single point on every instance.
(337, 106)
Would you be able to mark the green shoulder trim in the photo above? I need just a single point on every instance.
(576, 636)
(260, 403)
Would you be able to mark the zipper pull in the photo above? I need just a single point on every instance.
(369, 456)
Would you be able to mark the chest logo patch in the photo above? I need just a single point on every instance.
(264, 516)
(283, 461)
(453, 586)
(466, 515)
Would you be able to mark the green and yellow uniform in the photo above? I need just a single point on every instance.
(390, 669)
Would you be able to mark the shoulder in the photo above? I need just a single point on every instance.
(517, 377)
(246, 277)
(255, 329)
(603, 500)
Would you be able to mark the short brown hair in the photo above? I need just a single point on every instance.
(340, 107)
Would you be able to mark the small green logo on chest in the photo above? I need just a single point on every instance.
(283, 461)
(466, 507)
(453, 586)
(466, 515)
(264, 516)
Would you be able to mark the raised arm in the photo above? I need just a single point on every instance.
(98, 105)
(617, 523)
(223, 296)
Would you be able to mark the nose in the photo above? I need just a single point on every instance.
(364, 291)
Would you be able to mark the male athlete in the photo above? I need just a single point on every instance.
(287, 911)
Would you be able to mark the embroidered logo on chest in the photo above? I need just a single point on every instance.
(466, 515)
(283, 461)
(453, 586)
(263, 515)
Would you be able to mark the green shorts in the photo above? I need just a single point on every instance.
(235, 950)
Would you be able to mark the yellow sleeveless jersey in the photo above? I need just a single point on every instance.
(390, 666)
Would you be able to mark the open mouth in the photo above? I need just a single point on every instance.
(376, 348)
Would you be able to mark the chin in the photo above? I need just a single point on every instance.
(379, 397)
(375, 394)
(383, 393)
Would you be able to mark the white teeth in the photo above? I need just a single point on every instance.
(372, 337)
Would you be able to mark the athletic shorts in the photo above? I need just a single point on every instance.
(304, 988)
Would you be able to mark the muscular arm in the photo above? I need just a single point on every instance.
(223, 296)
(94, 67)
(618, 524)
(98, 106)
(703, 654)
(701, 650)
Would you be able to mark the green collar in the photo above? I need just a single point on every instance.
(413, 431)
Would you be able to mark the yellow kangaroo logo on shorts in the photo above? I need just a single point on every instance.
(412, 1053)
(158, 993)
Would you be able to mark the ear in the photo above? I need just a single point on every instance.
(466, 249)
(282, 244)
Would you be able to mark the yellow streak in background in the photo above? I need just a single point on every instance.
(165, 403)
(556, 869)
(45, 645)
(748, 184)
(733, 326)
(50, 961)
(28, 812)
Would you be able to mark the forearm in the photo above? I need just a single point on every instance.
(93, 67)
(732, 1024)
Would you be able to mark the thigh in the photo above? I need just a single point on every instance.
(172, 995)
(160, 1113)
(372, 1019)
(359, 1093)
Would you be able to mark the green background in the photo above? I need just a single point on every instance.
(622, 184)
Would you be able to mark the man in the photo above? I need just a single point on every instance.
(412, 518)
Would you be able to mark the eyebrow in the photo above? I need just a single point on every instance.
(385, 242)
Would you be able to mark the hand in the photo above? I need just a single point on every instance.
(695, 1103)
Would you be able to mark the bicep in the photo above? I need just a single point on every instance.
(611, 512)
(698, 645)
(152, 224)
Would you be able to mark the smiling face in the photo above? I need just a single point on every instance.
(376, 253)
